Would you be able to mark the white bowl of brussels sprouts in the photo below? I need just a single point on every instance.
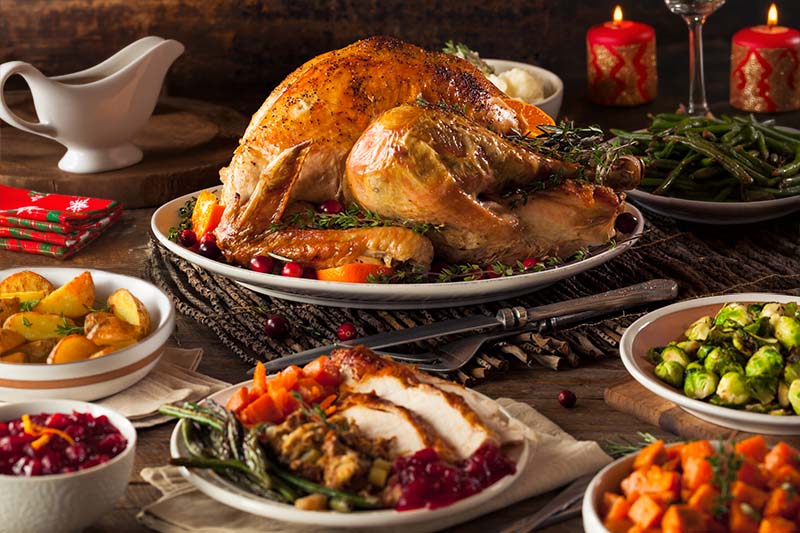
(731, 360)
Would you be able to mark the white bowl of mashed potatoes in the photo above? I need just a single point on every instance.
(529, 83)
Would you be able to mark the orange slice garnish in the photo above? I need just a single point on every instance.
(529, 116)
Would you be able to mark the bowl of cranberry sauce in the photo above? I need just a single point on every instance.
(72, 458)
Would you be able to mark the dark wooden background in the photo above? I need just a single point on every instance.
(238, 50)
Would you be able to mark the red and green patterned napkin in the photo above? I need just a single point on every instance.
(57, 225)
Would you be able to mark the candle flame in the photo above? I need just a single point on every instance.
(772, 15)
(617, 14)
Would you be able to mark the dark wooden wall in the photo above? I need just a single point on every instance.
(238, 50)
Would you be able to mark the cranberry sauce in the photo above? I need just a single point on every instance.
(59, 443)
(427, 481)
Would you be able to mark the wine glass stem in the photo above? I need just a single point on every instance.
(697, 84)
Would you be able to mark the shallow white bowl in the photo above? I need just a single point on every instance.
(668, 324)
(553, 86)
(384, 520)
(64, 502)
(94, 378)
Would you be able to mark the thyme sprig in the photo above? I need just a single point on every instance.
(185, 214)
(65, 328)
(464, 52)
(452, 108)
(351, 217)
(725, 464)
(28, 305)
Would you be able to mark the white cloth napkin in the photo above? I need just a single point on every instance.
(172, 380)
(555, 459)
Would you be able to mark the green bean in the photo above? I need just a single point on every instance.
(664, 163)
(201, 418)
(634, 136)
(665, 153)
(762, 146)
(790, 169)
(311, 488)
(710, 150)
(665, 185)
(707, 172)
(723, 194)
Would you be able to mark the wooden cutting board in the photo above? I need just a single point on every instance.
(630, 397)
(185, 143)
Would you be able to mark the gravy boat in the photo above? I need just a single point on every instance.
(96, 112)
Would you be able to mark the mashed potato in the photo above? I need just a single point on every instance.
(519, 83)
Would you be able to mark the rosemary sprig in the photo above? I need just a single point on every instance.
(65, 328)
(28, 305)
(625, 446)
(185, 214)
(452, 108)
(352, 217)
(464, 52)
(725, 465)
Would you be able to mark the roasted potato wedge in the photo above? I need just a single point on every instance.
(24, 296)
(34, 326)
(72, 348)
(37, 351)
(16, 357)
(9, 340)
(25, 281)
(103, 352)
(129, 308)
(8, 306)
(92, 319)
(74, 299)
(113, 331)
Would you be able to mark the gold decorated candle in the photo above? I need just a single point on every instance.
(621, 62)
(765, 67)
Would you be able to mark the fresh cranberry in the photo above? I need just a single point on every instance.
(276, 327)
(112, 444)
(3, 429)
(51, 463)
(262, 263)
(187, 238)
(57, 421)
(567, 398)
(529, 262)
(27, 466)
(346, 332)
(75, 431)
(76, 453)
(209, 249)
(626, 223)
(491, 274)
(310, 273)
(330, 207)
(292, 269)
(208, 237)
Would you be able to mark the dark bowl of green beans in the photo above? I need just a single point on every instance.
(717, 170)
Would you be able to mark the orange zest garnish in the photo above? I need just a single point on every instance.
(529, 116)
(327, 402)
(36, 430)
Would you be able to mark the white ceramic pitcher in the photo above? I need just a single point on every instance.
(96, 112)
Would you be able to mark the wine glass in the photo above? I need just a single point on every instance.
(695, 12)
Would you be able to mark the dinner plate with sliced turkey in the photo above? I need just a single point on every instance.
(381, 408)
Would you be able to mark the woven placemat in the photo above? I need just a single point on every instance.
(703, 260)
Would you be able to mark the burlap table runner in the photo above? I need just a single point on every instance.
(703, 260)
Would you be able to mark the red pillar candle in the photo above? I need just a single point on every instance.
(621, 62)
(765, 67)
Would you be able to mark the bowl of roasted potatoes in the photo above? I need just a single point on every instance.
(78, 334)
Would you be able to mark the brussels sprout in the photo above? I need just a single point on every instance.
(755, 309)
(783, 394)
(767, 362)
(700, 384)
(763, 389)
(694, 366)
(699, 329)
(787, 331)
(771, 309)
(733, 312)
(794, 396)
(673, 353)
(791, 371)
(791, 310)
(720, 360)
(703, 351)
(744, 342)
(719, 335)
(670, 372)
(654, 354)
(689, 347)
(759, 328)
(732, 388)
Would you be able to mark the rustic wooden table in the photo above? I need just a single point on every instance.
(123, 249)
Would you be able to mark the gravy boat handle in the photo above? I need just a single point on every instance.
(27, 71)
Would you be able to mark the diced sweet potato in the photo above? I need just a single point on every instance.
(698, 448)
(646, 512)
(781, 454)
(634, 485)
(744, 493)
(652, 454)
(659, 481)
(702, 499)
(618, 509)
(785, 474)
(741, 521)
(682, 519)
(781, 502)
(777, 524)
(608, 500)
(618, 526)
(754, 448)
(696, 472)
(752, 474)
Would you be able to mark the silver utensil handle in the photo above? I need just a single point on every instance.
(654, 290)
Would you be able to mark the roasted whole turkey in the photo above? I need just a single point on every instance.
(349, 125)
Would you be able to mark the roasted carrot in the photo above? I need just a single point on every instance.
(238, 400)
(263, 409)
(327, 402)
(260, 379)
